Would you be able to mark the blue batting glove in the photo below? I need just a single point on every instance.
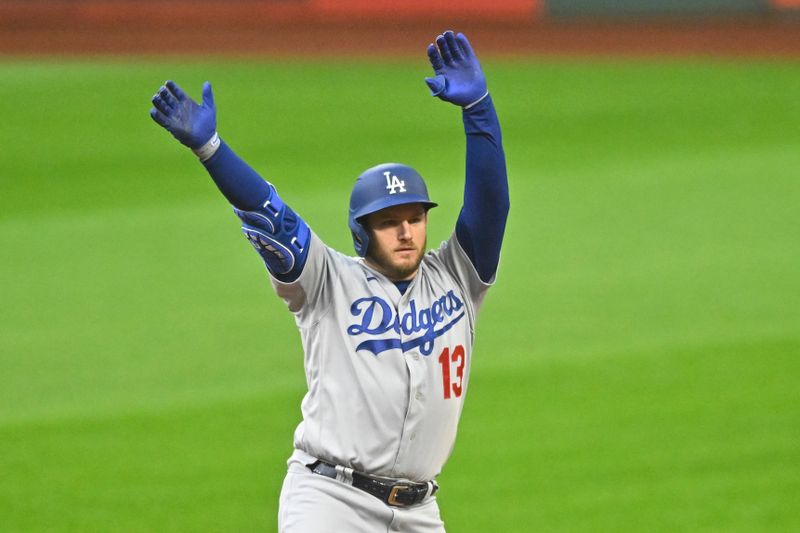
(192, 124)
(459, 78)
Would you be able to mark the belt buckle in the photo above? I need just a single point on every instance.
(392, 499)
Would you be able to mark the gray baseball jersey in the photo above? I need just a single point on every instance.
(387, 372)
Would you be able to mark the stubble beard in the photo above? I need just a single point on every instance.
(391, 269)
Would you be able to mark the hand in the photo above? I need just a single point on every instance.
(459, 78)
(192, 124)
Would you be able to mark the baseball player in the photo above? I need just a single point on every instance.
(387, 335)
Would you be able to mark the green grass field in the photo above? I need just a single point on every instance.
(637, 366)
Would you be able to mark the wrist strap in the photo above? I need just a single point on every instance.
(208, 149)
(476, 102)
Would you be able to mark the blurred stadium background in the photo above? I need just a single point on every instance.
(636, 367)
(380, 26)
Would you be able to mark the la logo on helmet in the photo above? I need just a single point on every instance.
(393, 183)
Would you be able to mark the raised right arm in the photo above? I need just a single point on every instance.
(277, 233)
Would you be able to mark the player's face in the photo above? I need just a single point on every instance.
(398, 236)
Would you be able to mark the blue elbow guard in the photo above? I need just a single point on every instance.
(279, 236)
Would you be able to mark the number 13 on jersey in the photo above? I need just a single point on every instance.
(452, 384)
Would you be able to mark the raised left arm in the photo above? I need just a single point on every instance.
(482, 220)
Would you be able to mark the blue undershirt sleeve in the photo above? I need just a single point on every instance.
(276, 232)
(482, 220)
(237, 181)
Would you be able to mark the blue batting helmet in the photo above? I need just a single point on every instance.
(379, 187)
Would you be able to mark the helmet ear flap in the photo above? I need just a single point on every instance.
(360, 238)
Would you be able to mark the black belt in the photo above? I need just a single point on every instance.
(392, 492)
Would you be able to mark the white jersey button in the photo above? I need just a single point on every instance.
(419, 396)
